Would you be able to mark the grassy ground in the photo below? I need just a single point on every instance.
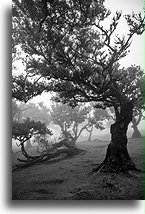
(69, 179)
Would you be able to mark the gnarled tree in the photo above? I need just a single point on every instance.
(23, 131)
(138, 115)
(36, 112)
(139, 104)
(69, 119)
(69, 51)
(97, 120)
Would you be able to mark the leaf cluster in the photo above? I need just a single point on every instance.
(23, 131)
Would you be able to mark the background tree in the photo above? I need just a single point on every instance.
(17, 117)
(15, 111)
(37, 112)
(43, 141)
(69, 119)
(76, 58)
(97, 120)
(23, 131)
(137, 117)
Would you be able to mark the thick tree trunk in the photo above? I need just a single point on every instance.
(117, 157)
(136, 132)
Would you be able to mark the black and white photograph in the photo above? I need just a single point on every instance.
(77, 100)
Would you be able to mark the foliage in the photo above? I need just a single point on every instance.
(137, 117)
(70, 52)
(15, 111)
(69, 118)
(37, 112)
(42, 141)
(98, 118)
(23, 131)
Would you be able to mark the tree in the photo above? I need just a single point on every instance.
(69, 119)
(43, 142)
(70, 52)
(37, 112)
(15, 111)
(97, 120)
(138, 105)
(23, 131)
(137, 117)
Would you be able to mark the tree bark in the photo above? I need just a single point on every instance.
(117, 157)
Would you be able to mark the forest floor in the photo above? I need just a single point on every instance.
(70, 179)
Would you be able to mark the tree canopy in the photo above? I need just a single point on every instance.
(70, 52)
(98, 118)
(15, 111)
(23, 131)
(36, 112)
(69, 119)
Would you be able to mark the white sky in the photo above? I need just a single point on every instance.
(127, 7)
(136, 50)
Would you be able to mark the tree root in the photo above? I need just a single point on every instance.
(117, 160)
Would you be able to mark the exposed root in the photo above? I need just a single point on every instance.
(117, 160)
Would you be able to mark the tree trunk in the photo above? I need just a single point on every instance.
(69, 144)
(24, 151)
(90, 135)
(136, 132)
(117, 157)
(90, 132)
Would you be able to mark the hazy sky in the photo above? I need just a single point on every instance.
(125, 5)
(136, 50)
